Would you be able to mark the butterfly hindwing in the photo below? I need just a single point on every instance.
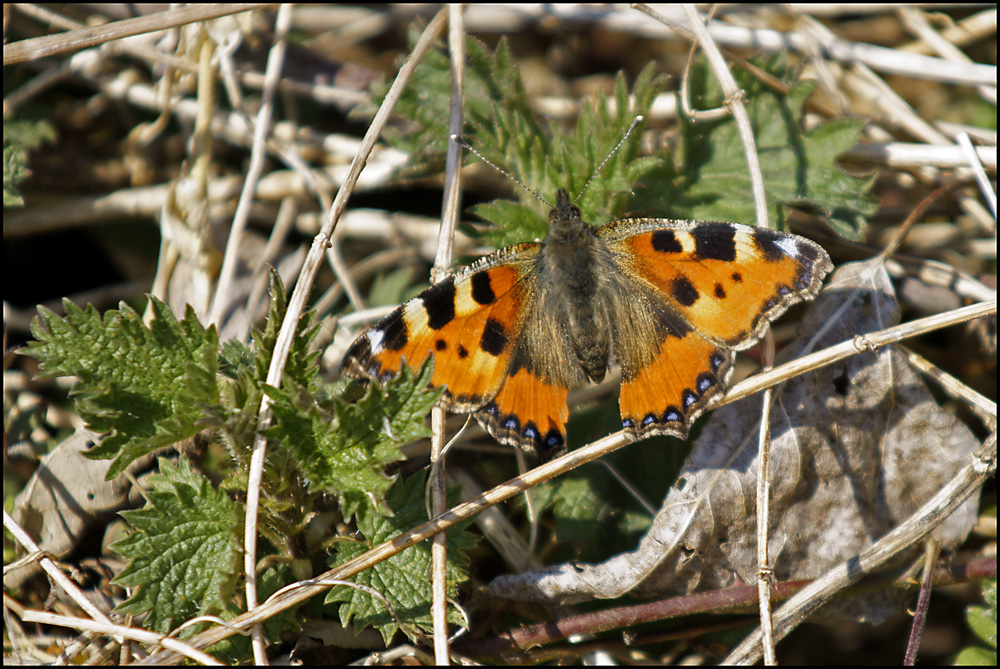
(528, 412)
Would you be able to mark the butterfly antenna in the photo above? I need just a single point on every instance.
(631, 128)
(501, 170)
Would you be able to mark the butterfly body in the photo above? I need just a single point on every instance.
(670, 301)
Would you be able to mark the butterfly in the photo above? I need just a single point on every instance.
(670, 300)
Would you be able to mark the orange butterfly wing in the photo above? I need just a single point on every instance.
(528, 412)
(472, 324)
(714, 288)
(469, 321)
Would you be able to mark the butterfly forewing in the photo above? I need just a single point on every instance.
(469, 322)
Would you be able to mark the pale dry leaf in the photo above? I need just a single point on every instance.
(68, 495)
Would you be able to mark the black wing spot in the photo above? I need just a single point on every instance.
(482, 288)
(494, 339)
(684, 291)
(439, 303)
(766, 242)
(394, 332)
(715, 242)
(665, 241)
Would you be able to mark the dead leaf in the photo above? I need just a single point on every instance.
(67, 495)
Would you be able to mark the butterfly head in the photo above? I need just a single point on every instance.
(564, 209)
(565, 223)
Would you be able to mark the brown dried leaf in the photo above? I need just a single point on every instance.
(67, 495)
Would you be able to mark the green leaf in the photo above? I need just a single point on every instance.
(501, 125)
(235, 358)
(236, 650)
(245, 369)
(301, 365)
(147, 387)
(982, 621)
(344, 448)
(19, 139)
(546, 160)
(976, 657)
(403, 579)
(799, 168)
(184, 554)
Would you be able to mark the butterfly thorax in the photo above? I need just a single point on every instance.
(571, 304)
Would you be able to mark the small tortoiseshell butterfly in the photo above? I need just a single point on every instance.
(673, 301)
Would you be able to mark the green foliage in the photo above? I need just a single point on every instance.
(236, 649)
(593, 515)
(501, 125)
(301, 362)
(19, 139)
(235, 358)
(150, 386)
(982, 621)
(184, 553)
(343, 448)
(511, 137)
(145, 386)
(799, 168)
(403, 579)
(248, 367)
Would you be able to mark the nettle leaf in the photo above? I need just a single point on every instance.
(301, 364)
(184, 552)
(344, 448)
(245, 369)
(235, 358)
(511, 137)
(146, 387)
(403, 579)
(503, 127)
(236, 650)
(20, 138)
(799, 168)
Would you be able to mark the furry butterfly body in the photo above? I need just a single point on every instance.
(670, 301)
